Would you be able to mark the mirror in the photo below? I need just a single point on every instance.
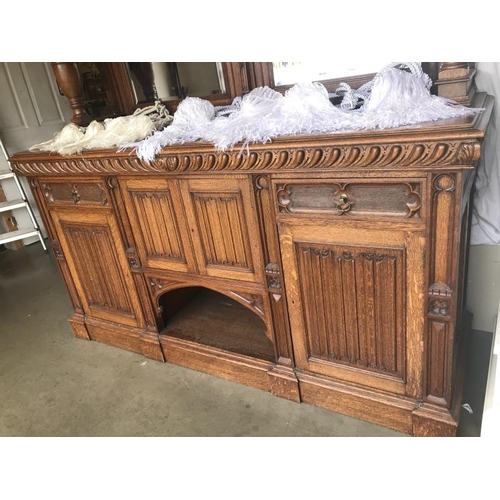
(290, 73)
(119, 88)
(168, 81)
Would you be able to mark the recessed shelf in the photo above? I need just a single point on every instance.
(209, 318)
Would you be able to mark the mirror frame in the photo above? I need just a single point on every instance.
(235, 82)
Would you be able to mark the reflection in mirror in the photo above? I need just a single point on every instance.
(289, 73)
(175, 80)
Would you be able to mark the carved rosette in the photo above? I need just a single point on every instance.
(373, 156)
(439, 307)
(56, 247)
(47, 193)
(273, 275)
(440, 299)
(283, 195)
(75, 194)
(415, 200)
(132, 257)
(444, 182)
(261, 182)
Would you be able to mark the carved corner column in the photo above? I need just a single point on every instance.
(456, 81)
(283, 380)
(69, 81)
(442, 294)
(434, 415)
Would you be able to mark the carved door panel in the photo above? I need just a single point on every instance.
(356, 303)
(224, 227)
(156, 213)
(91, 244)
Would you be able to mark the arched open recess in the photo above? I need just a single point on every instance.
(207, 317)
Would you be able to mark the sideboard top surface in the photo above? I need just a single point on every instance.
(444, 143)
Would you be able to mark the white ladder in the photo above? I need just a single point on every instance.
(20, 202)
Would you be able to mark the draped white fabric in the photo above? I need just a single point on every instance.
(485, 228)
(399, 95)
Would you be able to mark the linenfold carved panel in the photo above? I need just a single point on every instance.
(373, 156)
(216, 213)
(103, 281)
(336, 284)
(160, 233)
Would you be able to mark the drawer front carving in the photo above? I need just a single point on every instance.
(75, 193)
(356, 199)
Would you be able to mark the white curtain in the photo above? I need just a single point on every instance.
(486, 206)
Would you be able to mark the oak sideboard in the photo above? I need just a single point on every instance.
(326, 269)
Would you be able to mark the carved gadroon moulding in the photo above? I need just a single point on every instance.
(373, 156)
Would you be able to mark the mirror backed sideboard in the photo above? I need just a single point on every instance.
(328, 269)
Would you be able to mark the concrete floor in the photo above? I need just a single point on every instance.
(53, 384)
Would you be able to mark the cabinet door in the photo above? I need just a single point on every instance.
(157, 215)
(92, 248)
(356, 303)
(223, 223)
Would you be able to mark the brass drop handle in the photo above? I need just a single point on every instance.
(343, 205)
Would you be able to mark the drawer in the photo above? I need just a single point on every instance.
(89, 193)
(353, 199)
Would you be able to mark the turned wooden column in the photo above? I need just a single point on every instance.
(456, 81)
(69, 81)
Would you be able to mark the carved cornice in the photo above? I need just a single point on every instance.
(373, 156)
